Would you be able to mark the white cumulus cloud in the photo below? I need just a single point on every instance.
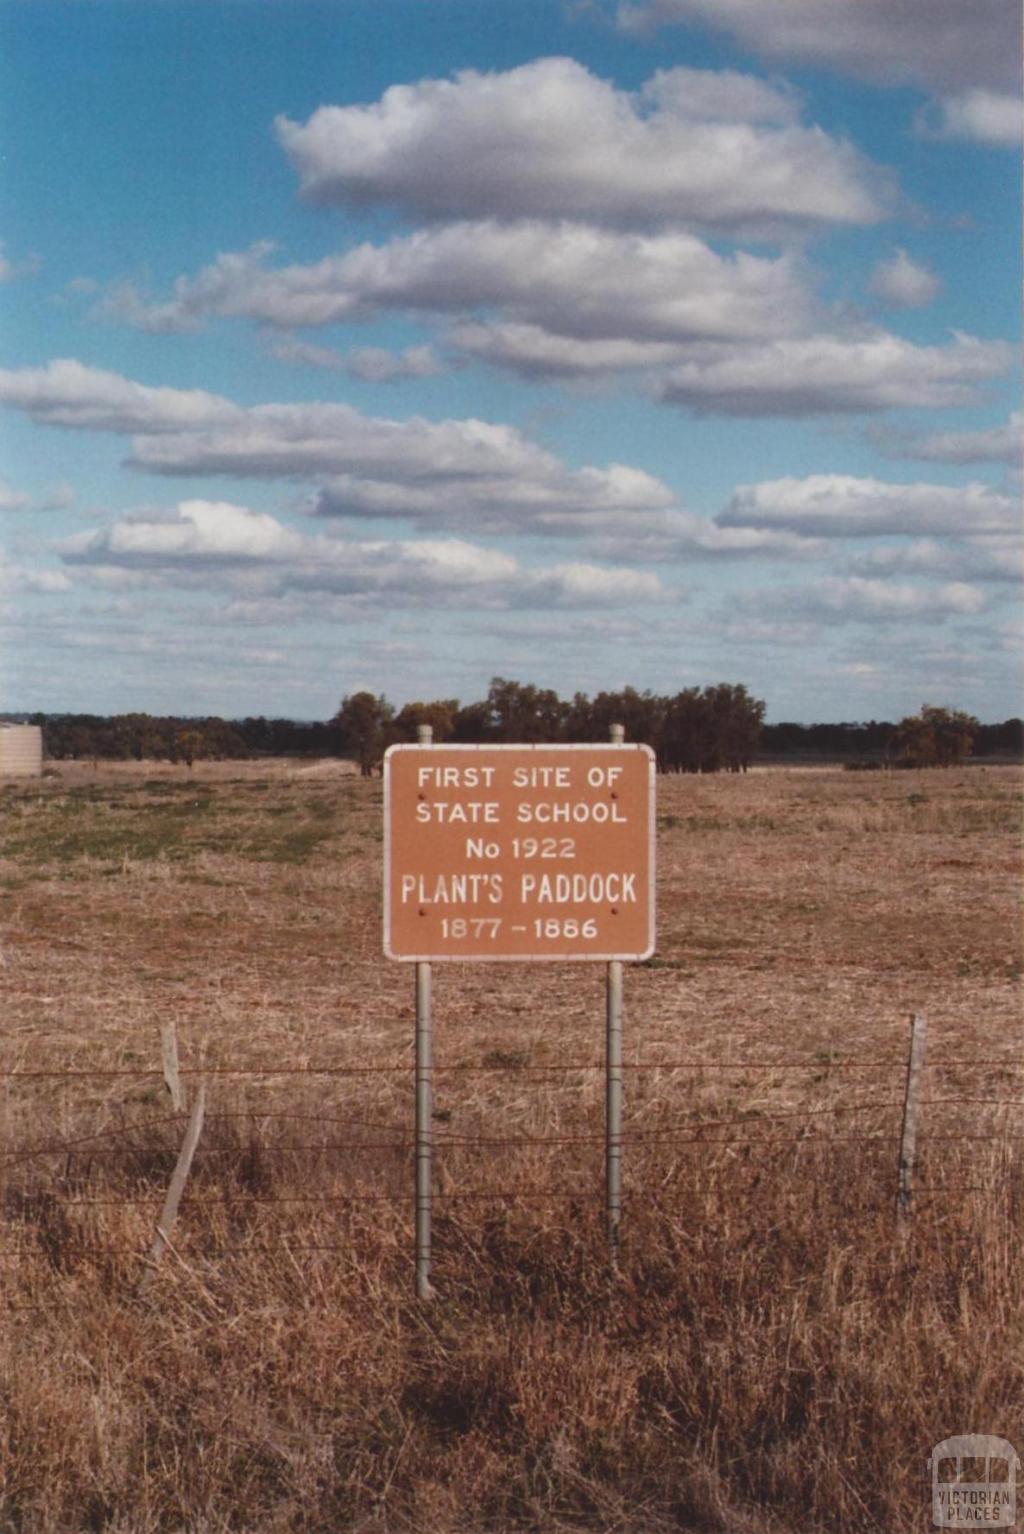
(841, 506)
(466, 473)
(551, 140)
(826, 375)
(225, 547)
(69, 393)
(211, 531)
(565, 278)
(550, 500)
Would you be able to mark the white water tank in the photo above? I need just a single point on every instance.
(21, 750)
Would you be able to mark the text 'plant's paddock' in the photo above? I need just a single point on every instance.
(519, 852)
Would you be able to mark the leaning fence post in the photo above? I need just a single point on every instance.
(170, 1210)
(908, 1137)
(172, 1076)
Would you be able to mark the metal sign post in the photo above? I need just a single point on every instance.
(424, 1131)
(613, 1105)
(424, 1108)
(613, 1083)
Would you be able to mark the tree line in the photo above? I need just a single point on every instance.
(933, 737)
(708, 729)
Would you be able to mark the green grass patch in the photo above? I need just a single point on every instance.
(175, 821)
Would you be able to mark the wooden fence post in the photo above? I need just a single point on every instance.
(172, 1077)
(177, 1187)
(908, 1137)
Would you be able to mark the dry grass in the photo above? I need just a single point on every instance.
(772, 1357)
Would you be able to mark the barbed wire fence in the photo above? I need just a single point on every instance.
(49, 1183)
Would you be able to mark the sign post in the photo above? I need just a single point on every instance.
(533, 853)
(613, 1084)
(424, 1107)
(424, 1131)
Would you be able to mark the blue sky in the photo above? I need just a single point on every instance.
(402, 344)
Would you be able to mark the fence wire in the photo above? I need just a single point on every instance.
(120, 1142)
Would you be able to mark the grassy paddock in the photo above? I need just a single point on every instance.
(772, 1356)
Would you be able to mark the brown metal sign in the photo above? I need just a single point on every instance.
(518, 852)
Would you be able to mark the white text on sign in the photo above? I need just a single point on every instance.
(519, 852)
